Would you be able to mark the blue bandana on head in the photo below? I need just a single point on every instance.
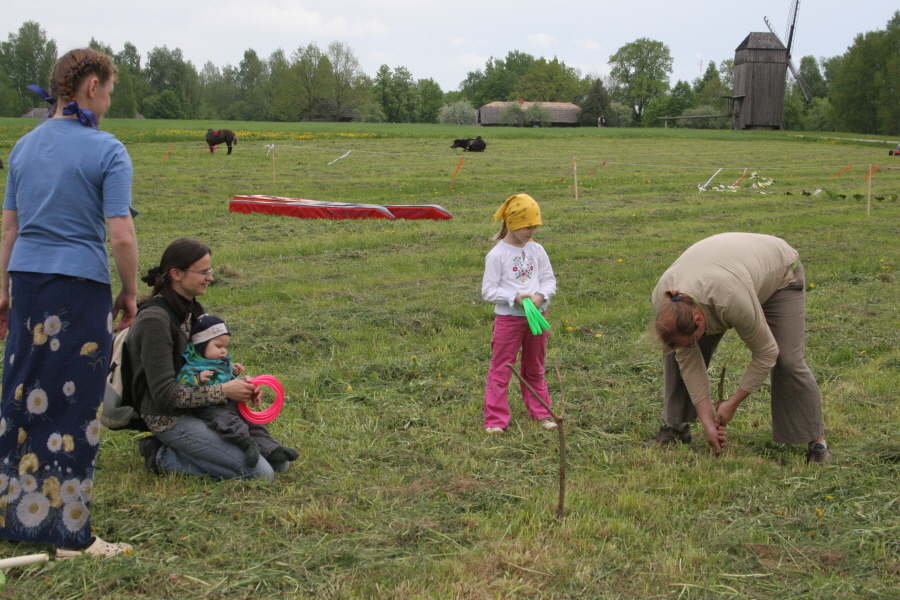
(85, 116)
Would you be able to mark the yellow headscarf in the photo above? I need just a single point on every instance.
(519, 211)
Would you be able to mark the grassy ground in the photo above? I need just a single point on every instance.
(379, 334)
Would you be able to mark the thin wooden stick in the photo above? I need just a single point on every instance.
(869, 195)
(575, 171)
(721, 386)
(562, 442)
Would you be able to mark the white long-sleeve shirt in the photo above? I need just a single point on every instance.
(509, 271)
(730, 276)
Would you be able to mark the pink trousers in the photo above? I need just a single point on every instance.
(511, 334)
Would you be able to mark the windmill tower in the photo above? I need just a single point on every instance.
(760, 66)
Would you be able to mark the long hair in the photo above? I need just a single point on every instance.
(180, 254)
(73, 68)
(675, 317)
(502, 233)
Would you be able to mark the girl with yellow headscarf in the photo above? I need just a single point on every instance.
(515, 269)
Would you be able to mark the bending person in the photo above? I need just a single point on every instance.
(755, 284)
(66, 180)
(180, 441)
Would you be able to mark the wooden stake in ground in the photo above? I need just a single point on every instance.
(273, 163)
(721, 386)
(575, 180)
(562, 437)
(869, 195)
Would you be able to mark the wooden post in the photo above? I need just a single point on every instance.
(869, 195)
(575, 171)
(273, 163)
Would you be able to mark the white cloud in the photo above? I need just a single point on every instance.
(460, 41)
(541, 39)
(288, 18)
(472, 61)
(587, 44)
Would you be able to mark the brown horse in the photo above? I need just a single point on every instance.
(220, 136)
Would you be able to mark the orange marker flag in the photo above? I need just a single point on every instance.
(167, 152)
(872, 171)
(452, 181)
(841, 171)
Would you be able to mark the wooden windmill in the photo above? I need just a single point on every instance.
(760, 66)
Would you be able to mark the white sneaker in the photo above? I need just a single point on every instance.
(97, 548)
(548, 424)
(493, 430)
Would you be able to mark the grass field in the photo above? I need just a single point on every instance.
(378, 332)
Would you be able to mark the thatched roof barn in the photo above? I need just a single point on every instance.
(562, 114)
(760, 66)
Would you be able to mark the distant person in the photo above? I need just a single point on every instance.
(515, 269)
(67, 182)
(601, 121)
(207, 362)
(755, 284)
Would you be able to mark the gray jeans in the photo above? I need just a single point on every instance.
(191, 447)
(796, 403)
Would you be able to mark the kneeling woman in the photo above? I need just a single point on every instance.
(181, 442)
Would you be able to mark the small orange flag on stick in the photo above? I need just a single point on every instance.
(452, 181)
(841, 171)
(872, 170)
(167, 153)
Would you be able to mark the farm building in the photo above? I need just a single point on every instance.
(563, 114)
(760, 66)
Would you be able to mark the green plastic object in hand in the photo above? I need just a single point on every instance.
(536, 321)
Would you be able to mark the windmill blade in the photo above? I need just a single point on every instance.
(803, 87)
(792, 22)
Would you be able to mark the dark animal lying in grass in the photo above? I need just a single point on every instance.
(221, 136)
(470, 145)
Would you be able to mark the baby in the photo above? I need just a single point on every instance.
(208, 363)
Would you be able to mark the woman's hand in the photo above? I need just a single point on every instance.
(4, 316)
(725, 411)
(241, 390)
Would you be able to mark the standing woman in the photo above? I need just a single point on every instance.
(66, 180)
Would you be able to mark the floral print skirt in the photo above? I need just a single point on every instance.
(54, 376)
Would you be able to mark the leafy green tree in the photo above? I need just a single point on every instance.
(166, 70)
(641, 70)
(726, 74)
(594, 104)
(349, 89)
(396, 93)
(537, 115)
(811, 74)
(253, 86)
(460, 112)
(513, 114)
(312, 72)
(861, 90)
(28, 57)
(818, 116)
(168, 104)
(703, 110)
(673, 104)
(430, 99)
(10, 104)
(124, 103)
(498, 80)
(549, 81)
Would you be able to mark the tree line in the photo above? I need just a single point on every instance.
(856, 91)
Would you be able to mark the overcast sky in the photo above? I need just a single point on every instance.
(445, 39)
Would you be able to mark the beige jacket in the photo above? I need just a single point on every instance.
(730, 276)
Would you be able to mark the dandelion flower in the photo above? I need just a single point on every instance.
(620, 260)
(569, 328)
(349, 388)
(599, 335)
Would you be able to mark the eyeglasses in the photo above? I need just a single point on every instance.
(204, 273)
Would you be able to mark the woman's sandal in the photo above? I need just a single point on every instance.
(97, 548)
